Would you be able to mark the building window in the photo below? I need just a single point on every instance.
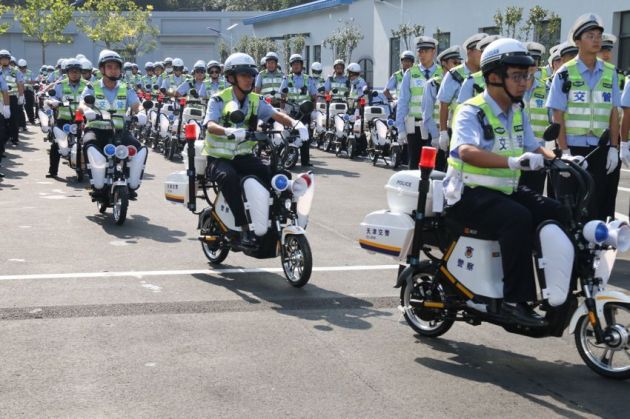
(490, 30)
(317, 53)
(546, 36)
(394, 55)
(624, 42)
(444, 40)
(307, 58)
(367, 65)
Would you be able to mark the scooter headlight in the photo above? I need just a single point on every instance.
(66, 128)
(122, 152)
(110, 150)
(595, 232)
(346, 117)
(280, 182)
(390, 122)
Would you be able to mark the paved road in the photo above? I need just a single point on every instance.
(105, 321)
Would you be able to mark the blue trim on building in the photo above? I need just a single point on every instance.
(296, 10)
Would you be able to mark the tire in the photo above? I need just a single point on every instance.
(394, 157)
(169, 148)
(297, 260)
(327, 144)
(291, 158)
(585, 341)
(79, 175)
(101, 207)
(214, 256)
(426, 322)
(120, 204)
(351, 149)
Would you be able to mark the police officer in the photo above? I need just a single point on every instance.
(214, 82)
(168, 65)
(453, 80)
(195, 88)
(229, 156)
(625, 123)
(584, 97)
(299, 88)
(70, 90)
(492, 143)
(608, 43)
(269, 80)
(392, 90)
(568, 51)
(4, 117)
(29, 94)
(316, 75)
(337, 84)
(86, 70)
(15, 82)
(449, 59)
(158, 76)
(475, 82)
(112, 95)
(57, 73)
(175, 79)
(409, 107)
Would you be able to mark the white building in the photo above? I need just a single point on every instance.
(454, 20)
(188, 35)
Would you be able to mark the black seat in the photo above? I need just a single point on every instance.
(437, 175)
(457, 229)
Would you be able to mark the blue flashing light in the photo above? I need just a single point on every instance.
(110, 150)
(601, 232)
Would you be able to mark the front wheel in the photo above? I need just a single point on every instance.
(394, 157)
(297, 260)
(121, 203)
(169, 147)
(291, 158)
(611, 359)
(423, 304)
(352, 148)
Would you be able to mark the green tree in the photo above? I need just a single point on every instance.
(508, 22)
(255, 47)
(343, 41)
(224, 50)
(140, 36)
(5, 26)
(45, 21)
(408, 31)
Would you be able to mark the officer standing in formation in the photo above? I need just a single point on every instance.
(29, 94)
(584, 97)
(475, 82)
(15, 82)
(392, 90)
(296, 88)
(409, 107)
(4, 117)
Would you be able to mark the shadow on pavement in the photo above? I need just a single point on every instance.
(136, 226)
(572, 385)
(621, 274)
(320, 169)
(310, 303)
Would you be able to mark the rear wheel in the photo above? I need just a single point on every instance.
(297, 260)
(291, 158)
(610, 359)
(217, 250)
(352, 148)
(169, 147)
(121, 203)
(423, 304)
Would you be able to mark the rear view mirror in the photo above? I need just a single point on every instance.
(52, 93)
(147, 104)
(374, 93)
(306, 107)
(552, 132)
(237, 117)
(285, 90)
(89, 99)
(321, 89)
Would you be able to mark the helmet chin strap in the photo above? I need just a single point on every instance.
(112, 78)
(514, 99)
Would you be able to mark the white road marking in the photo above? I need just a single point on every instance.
(625, 170)
(623, 189)
(621, 217)
(54, 197)
(119, 243)
(154, 288)
(26, 226)
(50, 183)
(141, 274)
(17, 260)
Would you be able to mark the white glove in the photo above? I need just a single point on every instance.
(238, 133)
(89, 114)
(444, 140)
(303, 131)
(6, 111)
(424, 134)
(625, 153)
(526, 161)
(142, 119)
(612, 160)
(21, 100)
(53, 103)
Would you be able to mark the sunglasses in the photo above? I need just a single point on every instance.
(213, 72)
(199, 70)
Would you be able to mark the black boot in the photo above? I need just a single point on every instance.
(248, 239)
(523, 314)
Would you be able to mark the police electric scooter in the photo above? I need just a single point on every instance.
(278, 215)
(460, 276)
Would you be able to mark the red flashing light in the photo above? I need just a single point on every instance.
(427, 158)
(160, 98)
(78, 116)
(362, 101)
(268, 99)
(191, 131)
(328, 98)
(132, 150)
(182, 101)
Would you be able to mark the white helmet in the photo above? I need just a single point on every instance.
(107, 55)
(240, 63)
(80, 57)
(86, 65)
(503, 53)
(317, 68)
(200, 65)
(5, 54)
(295, 58)
(168, 61)
(408, 55)
(178, 62)
(59, 62)
(339, 61)
(148, 65)
(213, 63)
(71, 64)
(354, 68)
(127, 66)
(159, 64)
(272, 56)
(263, 61)
(21, 62)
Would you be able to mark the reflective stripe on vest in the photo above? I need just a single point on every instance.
(505, 144)
(437, 81)
(537, 111)
(220, 146)
(479, 83)
(295, 93)
(10, 77)
(417, 84)
(399, 78)
(68, 94)
(461, 70)
(270, 82)
(213, 88)
(118, 107)
(588, 110)
(341, 86)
